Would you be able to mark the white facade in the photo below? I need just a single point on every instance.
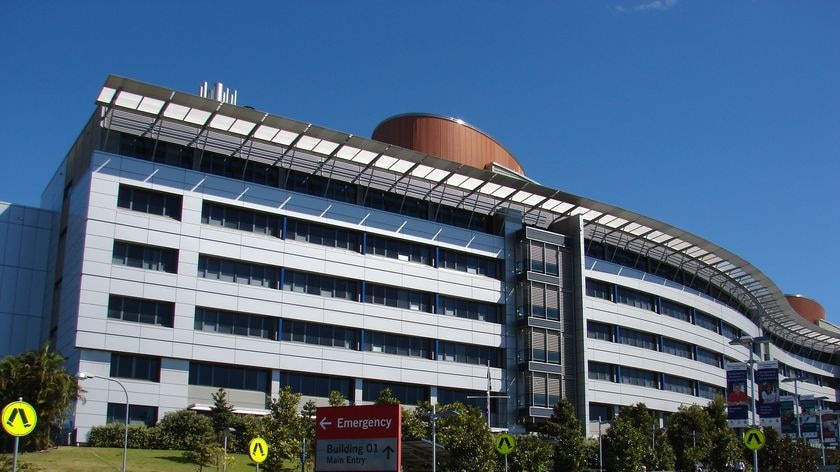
(549, 313)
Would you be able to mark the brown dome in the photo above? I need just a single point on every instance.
(807, 308)
(447, 138)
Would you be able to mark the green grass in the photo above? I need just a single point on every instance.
(106, 459)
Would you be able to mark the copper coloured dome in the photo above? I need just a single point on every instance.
(447, 138)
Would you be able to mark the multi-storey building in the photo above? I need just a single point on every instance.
(198, 244)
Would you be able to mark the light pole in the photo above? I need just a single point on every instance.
(433, 418)
(600, 446)
(750, 342)
(224, 457)
(822, 439)
(796, 380)
(85, 376)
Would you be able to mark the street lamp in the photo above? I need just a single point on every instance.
(600, 446)
(85, 376)
(224, 457)
(433, 418)
(796, 381)
(750, 342)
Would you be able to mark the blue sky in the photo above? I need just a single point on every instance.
(718, 117)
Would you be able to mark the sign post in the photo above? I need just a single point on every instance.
(258, 450)
(505, 444)
(19, 419)
(358, 438)
(754, 439)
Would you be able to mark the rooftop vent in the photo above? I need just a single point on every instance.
(218, 92)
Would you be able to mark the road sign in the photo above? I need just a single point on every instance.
(19, 418)
(258, 450)
(754, 439)
(505, 443)
(358, 438)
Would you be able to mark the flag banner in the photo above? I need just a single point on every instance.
(829, 428)
(809, 417)
(737, 399)
(767, 401)
(786, 405)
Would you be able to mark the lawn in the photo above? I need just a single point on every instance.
(106, 459)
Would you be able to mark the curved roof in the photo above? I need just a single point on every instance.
(146, 109)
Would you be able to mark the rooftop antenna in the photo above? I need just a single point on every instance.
(217, 92)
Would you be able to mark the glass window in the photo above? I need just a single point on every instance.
(137, 414)
(473, 310)
(141, 310)
(145, 257)
(316, 385)
(709, 357)
(642, 378)
(599, 289)
(407, 394)
(150, 201)
(135, 367)
(468, 353)
(602, 331)
(398, 297)
(679, 385)
(601, 371)
(314, 333)
(229, 376)
(637, 299)
(639, 339)
(707, 321)
(675, 310)
(676, 348)
(243, 324)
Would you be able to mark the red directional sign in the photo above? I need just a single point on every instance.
(358, 438)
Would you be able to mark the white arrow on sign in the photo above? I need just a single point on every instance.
(324, 423)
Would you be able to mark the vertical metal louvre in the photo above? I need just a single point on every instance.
(538, 300)
(552, 302)
(538, 345)
(537, 258)
(539, 385)
(552, 346)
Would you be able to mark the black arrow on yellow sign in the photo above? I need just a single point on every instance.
(15, 413)
(258, 447)
(754, 439)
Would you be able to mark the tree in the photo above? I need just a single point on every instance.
(39, 378)
(386, 397)
(221, 413)
(786, 455)
(283, 430)
(625, 447)
(702, 435)
(467, 440)
(532, 454)
(337, 399)
(658, 452)
(565, 428)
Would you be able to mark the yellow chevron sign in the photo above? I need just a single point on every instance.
(19, 418)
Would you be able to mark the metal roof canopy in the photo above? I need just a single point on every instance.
(251, 134)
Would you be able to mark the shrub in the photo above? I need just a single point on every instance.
(185, 430)
(110, 435)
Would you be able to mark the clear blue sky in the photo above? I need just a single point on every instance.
(721, 117)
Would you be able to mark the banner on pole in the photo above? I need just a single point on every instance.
(737, 398)
(786, 405)
(767, 401)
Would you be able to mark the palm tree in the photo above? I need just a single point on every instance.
(38, 377)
